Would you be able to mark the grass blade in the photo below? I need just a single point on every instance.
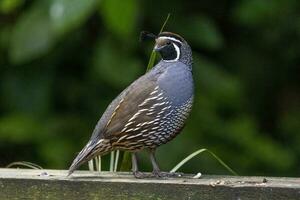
(165, 23)
(116, 160)
(151, 60)
(189, 157)
(153, 53)
(91, 165)
(112, 159)
(24, 164)
(98, 163)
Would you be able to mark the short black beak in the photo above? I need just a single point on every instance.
(157, 48)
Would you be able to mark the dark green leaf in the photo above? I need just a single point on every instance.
(120, 16)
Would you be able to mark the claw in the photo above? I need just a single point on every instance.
(157, 174)
(138, 174)
(160, 174)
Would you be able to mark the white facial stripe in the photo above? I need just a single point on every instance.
(170, 38)
(177, 51)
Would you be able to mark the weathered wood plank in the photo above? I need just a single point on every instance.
(53, 184)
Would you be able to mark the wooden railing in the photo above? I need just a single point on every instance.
(53, 184)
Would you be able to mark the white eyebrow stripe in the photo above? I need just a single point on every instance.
(170, 38)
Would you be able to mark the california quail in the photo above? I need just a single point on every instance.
(151, 111)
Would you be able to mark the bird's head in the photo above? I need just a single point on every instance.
(172, 47)
(169, 46)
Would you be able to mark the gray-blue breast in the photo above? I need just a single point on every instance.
(149, 112)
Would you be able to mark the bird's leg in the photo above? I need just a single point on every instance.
(156, 171)
(135, 170)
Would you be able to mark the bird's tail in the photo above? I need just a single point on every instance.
(88, 152)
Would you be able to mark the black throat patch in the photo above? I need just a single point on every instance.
(169, 53)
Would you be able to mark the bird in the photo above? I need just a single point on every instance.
(151, 111)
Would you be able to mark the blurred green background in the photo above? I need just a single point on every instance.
(63, 61)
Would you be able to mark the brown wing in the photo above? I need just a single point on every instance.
(131, 109)
(124, 113)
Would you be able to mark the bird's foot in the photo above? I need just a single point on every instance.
(156, 174)
(140, 175)
(160, 174)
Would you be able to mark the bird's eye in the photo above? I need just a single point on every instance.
(168, 43)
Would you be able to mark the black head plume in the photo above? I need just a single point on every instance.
(146, 35)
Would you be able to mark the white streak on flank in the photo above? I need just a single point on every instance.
(151, 98)
(121, 138)
(166, 116)
(142, 110)
(160, 129)
(114, 113)
(131, 129)
(124, 129)
(148, 99)
(133, 136)
(150, 122)
(145, 130)
(165, 108)
(158, 104)
(137, 114)
(156, 119)
(136, 129)
(118, 106)
(155, 90)
(128, 124)
(145, 123)
(143, 140)
(150, 133)
(160, 98)
(86, 148)
(161, 112)
(160, 94)
(99, 141)
(170, 38)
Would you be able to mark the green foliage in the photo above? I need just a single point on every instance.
(264, 12)
(7, 6)
(198, 152)
(105, 65)
(153, 55)
(62, 62)
(202, 31)
(47, 22)
(120, 16)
